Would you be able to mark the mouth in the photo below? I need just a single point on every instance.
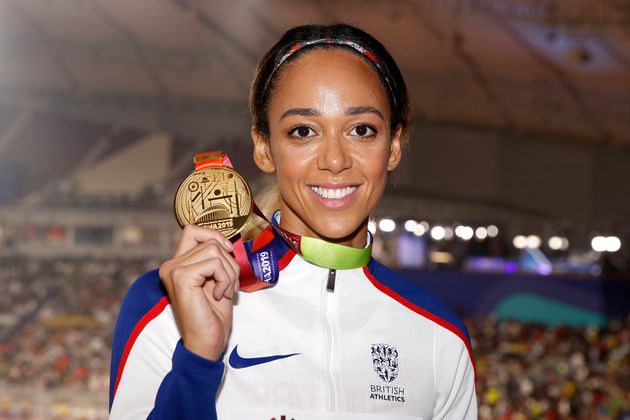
(333, 193)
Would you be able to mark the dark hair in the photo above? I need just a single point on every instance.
(270, 66)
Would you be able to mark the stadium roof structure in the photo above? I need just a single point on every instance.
(93, 77)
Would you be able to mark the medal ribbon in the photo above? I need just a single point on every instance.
(258, 259)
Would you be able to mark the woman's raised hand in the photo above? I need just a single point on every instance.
(201, 280)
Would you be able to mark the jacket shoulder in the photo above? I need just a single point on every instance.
(145, 291)
(416, 298)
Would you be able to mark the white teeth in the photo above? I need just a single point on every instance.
(334, 193)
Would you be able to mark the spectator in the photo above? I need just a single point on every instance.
(60, 316)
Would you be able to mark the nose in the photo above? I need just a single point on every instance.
(333, 155)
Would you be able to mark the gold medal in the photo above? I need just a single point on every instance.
(214, 197)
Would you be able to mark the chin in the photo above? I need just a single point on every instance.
(340, 232)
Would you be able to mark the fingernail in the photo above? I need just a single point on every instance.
(229, 244)
(237, 287)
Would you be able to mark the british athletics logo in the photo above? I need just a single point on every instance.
(385, 365)
(385, 362)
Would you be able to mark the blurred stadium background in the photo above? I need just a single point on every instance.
(512, 203)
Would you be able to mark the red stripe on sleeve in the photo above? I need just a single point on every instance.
(144, 321)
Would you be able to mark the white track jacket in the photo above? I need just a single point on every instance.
(376, 347)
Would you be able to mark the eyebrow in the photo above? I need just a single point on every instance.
(304, 112)
(312, 112)
(356, 110)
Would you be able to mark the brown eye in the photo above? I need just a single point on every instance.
(363, 130)
(302, 131)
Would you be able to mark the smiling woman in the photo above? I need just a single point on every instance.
(335, 337)
(330, 143)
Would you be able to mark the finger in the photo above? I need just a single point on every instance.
(225, 288)
(188, 277)
(212, 251)
(193, 235)
(207, 250)
(203, 252)
(237, 272)
(223, 305)
(165, 274)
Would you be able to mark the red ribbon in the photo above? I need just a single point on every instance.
(248, 280)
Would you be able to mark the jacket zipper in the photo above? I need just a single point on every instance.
(332, 275)
(328, 341)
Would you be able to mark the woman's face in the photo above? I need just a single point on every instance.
(330, 144)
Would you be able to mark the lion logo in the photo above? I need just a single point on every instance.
(385, 362)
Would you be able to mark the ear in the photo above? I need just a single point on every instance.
(262, 153)
(395, 153)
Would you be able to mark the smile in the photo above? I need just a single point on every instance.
(333, 193)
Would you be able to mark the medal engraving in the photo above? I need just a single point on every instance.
(218, 198)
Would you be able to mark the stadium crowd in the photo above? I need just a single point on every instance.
(57, 318)
(528, 371)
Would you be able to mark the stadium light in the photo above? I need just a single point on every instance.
(410, 225)
(493, 231)
(614, 244)
(448, 233)
(606, 244)
(533, 241)
(481, 233)
(420, 229)
(438, 233)
(387, 225)
(599, 244)
(464, 232)
(558, 243)
(555, 243)
(467, 233)
(519, 242)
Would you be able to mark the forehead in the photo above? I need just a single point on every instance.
(331, 69)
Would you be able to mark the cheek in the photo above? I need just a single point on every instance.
(290, 160)
(378, 178)
(374, 163)
(291, 168)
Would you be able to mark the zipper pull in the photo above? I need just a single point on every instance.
(332, 274)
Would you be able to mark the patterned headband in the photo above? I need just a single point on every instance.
(344, 42)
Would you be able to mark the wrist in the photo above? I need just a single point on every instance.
(203, 349)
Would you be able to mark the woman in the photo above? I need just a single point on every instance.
(330, 118)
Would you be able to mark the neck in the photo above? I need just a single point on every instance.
(292, 223)
(357, 239)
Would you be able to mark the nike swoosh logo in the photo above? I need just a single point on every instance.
(239, 362)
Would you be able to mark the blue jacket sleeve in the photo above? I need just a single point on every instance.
(189, 390)
(152, 374)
